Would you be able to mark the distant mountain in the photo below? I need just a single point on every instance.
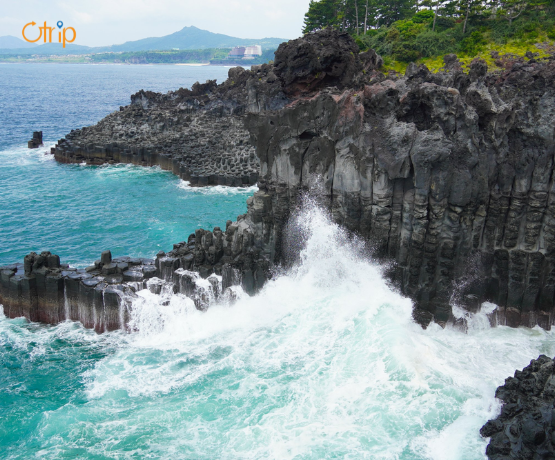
(188, 38)
(193, 38)
(10, 42)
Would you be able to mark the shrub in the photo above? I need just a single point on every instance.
(408, 29)
(473, 43)
(430, 43)
(393, 35)
(404, 53)
(443, 23)
(423, 16)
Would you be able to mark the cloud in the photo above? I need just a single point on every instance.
(275, 14)
(76, 16)
(10, 21)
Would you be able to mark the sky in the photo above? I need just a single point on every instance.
(110, 22)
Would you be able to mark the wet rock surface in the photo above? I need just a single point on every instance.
(36, 141)
(525, 429)
(41, 289)
(100, 296)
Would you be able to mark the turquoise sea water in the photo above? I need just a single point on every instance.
(324, 363)
(77, 211)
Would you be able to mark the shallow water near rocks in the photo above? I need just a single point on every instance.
(325, 362)
(79, 211)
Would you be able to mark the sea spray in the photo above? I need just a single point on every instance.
(325, 362)
(326, 359)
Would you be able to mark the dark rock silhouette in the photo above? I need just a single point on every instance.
(36, 141)
(525, 429)
(317, 61)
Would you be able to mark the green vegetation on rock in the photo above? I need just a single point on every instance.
(406, 31)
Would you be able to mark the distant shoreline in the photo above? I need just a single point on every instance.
(191, 58)
(123, 64)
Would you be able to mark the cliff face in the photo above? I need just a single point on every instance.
(176, 131)
(448, 174)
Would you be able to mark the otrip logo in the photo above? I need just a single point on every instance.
(45, 32)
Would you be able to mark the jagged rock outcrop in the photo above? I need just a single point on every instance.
(321, 60)
(36, 141)
(41, 289)
(197, 134)
(525, 429)
(449, 174)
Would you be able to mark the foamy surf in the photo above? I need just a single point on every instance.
(217, 189)
(325, 362)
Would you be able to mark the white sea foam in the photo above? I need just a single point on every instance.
(23, 156)
(324, 362)
(217, 189)
(326, 359)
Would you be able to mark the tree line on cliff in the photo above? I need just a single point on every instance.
(408, 30)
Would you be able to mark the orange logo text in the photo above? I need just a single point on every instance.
(45, 32)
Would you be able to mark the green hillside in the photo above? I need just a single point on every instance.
(215, 56)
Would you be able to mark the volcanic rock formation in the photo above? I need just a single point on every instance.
(525, 429)
(36, 141)
(197, 134)
(449, 175)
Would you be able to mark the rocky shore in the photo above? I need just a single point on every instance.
(525, 429)
(44, 290)
(197, 134)
(448, 174)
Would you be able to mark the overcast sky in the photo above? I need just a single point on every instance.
(109, 22)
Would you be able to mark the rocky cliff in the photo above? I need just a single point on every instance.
(197, 134)
(448, 175)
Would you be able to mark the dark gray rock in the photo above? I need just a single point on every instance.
(36, 141)
(449, 174)
(316, 61)
(525, 429)
(176, 132)
(106, 258)
(41, 289)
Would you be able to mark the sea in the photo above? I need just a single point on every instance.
(324, 363)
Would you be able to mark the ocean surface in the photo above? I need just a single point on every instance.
(324, 363)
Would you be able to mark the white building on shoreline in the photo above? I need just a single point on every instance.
(245, 52)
